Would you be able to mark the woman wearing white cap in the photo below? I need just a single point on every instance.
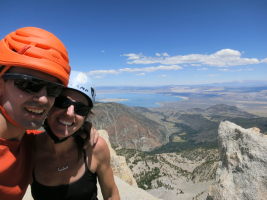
(63, 169)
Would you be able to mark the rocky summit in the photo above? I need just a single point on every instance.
(242, 171)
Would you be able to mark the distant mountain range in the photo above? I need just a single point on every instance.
(233, 84)
(165, 130)
(128, 127)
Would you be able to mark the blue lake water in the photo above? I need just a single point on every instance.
(137, 99)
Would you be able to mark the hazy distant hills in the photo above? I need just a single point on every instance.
(199, 127)
(168, 130)
(251, 96)
(128, 127)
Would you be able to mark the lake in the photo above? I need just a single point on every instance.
(137, 99)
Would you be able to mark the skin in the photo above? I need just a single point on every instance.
(50, 156)
(28, 110)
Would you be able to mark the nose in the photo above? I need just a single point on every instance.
(70, 111)
(41, 96)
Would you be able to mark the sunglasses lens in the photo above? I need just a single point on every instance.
(62, 102)
(33, 85)
(53, 90)
(28, 86)
(79, 108)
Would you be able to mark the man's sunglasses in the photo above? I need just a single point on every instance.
(32, 85)
(64, 102)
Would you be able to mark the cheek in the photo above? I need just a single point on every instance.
(79, 121)
(51, 101)
(53, 113)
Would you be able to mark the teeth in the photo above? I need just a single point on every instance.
(36, 111)
(65, 123)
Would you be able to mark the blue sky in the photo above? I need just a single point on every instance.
(152, 42)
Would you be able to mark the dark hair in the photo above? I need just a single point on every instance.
(82, 135)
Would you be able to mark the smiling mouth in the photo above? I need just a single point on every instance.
(65, 123)
(35, 111)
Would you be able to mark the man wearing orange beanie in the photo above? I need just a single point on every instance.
(34, 67)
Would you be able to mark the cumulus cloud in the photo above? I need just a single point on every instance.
(137, 70)
(162, 54)
(221, 58)
(264, 60)
(78, 77)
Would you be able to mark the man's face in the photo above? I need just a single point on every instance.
(29, 110)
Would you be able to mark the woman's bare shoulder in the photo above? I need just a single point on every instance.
(100, 150)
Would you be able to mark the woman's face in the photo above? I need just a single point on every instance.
(65, 121)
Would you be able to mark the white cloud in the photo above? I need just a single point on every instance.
(235, 70)
(97, 72)
(202, 69)
(224, 69)
(221, 58)
(134, 70)
(78, 77)
(165, 54)
(133, 56)
(141, 74)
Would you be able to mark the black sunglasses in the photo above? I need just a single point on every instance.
(64, 102)
(32, 85)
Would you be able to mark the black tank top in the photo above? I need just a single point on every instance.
(83, 189)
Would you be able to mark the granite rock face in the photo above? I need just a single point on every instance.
(123, 176)
(128, 192)
(118, 163)
(242, 171)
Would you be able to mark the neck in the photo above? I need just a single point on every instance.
(9, 131)
(62, 147)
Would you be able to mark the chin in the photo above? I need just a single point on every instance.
(32, 125)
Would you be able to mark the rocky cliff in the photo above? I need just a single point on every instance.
(124, 177)
(242, 171)
(118, 163)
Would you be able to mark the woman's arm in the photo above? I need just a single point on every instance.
(104, 172)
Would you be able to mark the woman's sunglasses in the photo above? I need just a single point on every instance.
(64, 102)
(32, 85)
